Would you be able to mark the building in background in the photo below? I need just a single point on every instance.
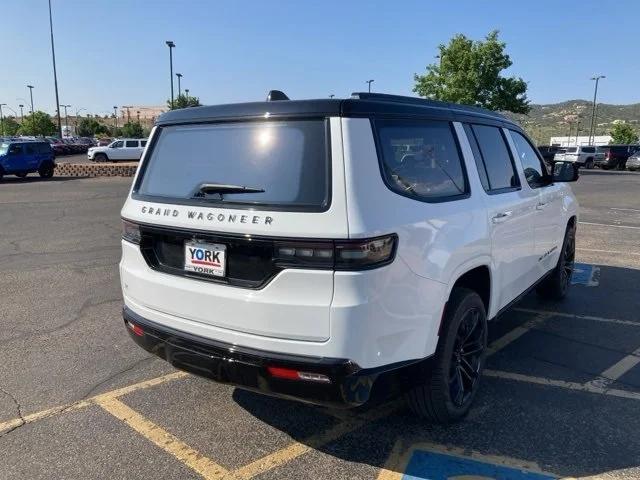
(581, 140)
(146, 112)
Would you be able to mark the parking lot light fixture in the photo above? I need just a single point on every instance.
(171, 46)
(179, 75)
(55, 75)
(30, 87)
(115, 116)
(186, 92)
(21, 112)
(66, 118)
(593, 110)
(370, 82)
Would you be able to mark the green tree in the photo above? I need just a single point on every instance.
(38, 123)
(132, 130)
(469, 72)
(9, 126)
(184, 101)
(89, 127)
(622, 133)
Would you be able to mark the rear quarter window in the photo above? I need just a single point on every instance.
(420, 159)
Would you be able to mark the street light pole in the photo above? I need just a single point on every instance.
(186, 92)
(30, 87)
(21, 113)
(115, 115)
(55, 75)
(369, 82)
(179, 75)
(66, 118)
(593, 111)
(171, 46)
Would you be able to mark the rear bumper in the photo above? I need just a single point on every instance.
(349, 385)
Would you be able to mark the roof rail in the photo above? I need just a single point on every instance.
(427, 102)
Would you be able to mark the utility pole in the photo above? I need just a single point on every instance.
(593, 110)
(55, 75)
(171, 46)
(369, 82)
(66, 118)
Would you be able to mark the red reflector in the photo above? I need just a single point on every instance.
(135, 329)
(280, 372)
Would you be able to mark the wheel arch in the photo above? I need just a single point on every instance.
(475, 275)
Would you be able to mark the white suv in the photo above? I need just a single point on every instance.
(121, 149)
(336, 250)
(582, 155)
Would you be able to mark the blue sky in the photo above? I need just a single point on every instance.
(113, 52)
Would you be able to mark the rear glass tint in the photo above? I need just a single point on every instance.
(286, 159)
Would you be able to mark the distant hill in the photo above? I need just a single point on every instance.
(545, 121)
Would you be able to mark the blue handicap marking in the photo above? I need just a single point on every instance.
(585, 274)
(427, 465)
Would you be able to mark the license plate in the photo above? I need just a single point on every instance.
(205, 258)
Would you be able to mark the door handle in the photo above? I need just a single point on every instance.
(541, 205)
(500, 217)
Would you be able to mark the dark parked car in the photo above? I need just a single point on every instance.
(548, 152)
(58, 146)
(615, 156)
(103, 142)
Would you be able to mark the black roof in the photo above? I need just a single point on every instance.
(361, 104)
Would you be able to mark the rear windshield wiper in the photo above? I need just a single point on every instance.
(222, 188)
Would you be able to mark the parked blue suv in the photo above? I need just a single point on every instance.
(20, 158)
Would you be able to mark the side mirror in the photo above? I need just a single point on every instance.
(565, 172)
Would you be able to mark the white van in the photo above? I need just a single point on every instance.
(333, 251)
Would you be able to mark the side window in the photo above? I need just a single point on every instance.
(482, 170)
(534, 170)
(421, 159)
(118, 144)
(15, 149)
(143, 143)
(30, 149)
(501, 173)
(132, 143)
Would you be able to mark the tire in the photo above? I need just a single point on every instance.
(589, 164)
(21, 174)
(556, 285)
(440, 399)
(1, 173)
(46, 170)
(100, 157)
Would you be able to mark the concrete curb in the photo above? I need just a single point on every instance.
(125, 169)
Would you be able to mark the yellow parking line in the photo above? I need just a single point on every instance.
(579, 317)
(516, 333)
(163, 439)
(396, 463)
(33, 417)
(297, 449)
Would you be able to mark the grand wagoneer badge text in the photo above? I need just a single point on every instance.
(210, 216)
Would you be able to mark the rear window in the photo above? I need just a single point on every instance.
(286, 159)
(132, 143)
(589, 149)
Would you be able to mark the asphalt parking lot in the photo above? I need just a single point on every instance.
(79, 400)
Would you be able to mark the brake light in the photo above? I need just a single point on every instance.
(130, 231)
(137, 330)
(292, 374)
(338, 254)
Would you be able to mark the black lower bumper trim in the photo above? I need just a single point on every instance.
(349, 386)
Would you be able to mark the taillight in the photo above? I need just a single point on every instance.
(130, 231)
(338, 254)
(292, 374)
